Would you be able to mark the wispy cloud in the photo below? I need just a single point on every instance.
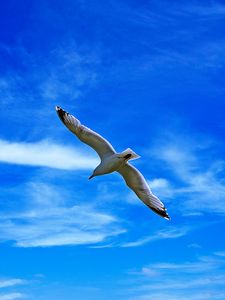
(217, 295)
(220, 253)
(51, 222)
(201, 185)
(12, 296)
(12, 282)
(181, 280)
(6, 87)
(68, 73)
(63, 73)
(212, 9)
(169, 233)
(194, 246)
(45, 154)
(162, 187)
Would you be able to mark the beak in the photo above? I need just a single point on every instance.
(91, 176)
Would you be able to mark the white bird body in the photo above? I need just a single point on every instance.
(109, 164)
(112, 161)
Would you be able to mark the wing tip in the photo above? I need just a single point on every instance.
(167, 218)
(60, 112)
(163, 213)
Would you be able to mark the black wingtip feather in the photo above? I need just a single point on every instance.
(60, 113)
(162, 213)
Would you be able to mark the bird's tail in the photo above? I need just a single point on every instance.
(129, 154)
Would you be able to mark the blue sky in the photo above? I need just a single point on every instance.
(147, 75)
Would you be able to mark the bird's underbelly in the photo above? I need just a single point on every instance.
(109, 166)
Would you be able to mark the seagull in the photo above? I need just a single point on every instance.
(112, 161)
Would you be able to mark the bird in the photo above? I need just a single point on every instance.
(111, 161)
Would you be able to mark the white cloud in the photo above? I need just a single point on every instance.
(203, 264)
(220, 253)
(202, 278)
(161, 187)
(58, 226)
(169, 233)
(51, 222)
(216, 295)
(12, 282)
(45, 154)
(7, 283)
(194, 246)
(11, 296)
(201, 187)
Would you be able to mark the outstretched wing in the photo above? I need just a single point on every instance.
(135, 180)
(86, 135)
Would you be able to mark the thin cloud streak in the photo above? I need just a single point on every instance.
(181, 280)
(76, 225)
(45, 154)
(171, 233)
(49, 221)
(64, 73)
(12, 296)
(12, 282)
